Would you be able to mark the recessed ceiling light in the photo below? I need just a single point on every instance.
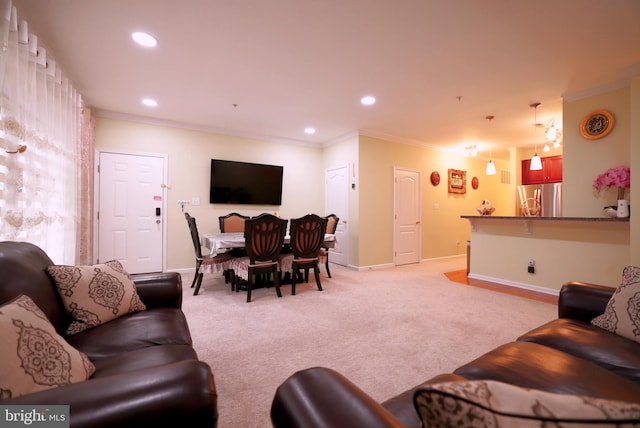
(309, 130)
(368, 100)
(150, 102)
(144, 39)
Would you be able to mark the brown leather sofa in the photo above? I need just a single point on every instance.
(146, 371)
(566, 355)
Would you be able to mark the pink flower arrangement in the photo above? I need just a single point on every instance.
(619, 177)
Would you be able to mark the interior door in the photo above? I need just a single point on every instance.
(407, 216)
(337, 202)
(131, 211)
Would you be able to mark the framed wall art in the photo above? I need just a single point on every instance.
(457, 181)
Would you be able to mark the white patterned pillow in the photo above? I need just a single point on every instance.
(622, 314)
(34, 356)
(487, 403)
(94, 295)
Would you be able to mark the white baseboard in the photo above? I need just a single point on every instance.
(514, 284)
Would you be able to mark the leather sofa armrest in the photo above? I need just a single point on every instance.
(583, 301)
(159, 289)
(319, 397)
(178, 394)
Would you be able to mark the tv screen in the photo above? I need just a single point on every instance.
(245, 183)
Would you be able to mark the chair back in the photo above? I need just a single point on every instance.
(332, 223)
(307, 234)
(195, 237)
(264, 237)
(232, 222)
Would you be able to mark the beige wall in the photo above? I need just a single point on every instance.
(189, 153)
(372, 160)
(634, 138)
(444, 233)
(583, 251)
(563, 250)
(585, 159)
(370, 203)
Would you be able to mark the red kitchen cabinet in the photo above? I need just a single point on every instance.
(551, 171)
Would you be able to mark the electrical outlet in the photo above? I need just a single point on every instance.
(531, 267)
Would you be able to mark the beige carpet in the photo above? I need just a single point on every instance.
(386, 330)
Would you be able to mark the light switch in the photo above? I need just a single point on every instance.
(436, 206)
(195, 201)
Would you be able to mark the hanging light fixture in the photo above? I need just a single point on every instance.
(536, 162)
(491, 167)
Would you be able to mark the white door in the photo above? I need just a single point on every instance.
(131, 211)
(337, 202)
(407, 215)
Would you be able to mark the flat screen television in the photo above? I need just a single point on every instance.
(245, 183)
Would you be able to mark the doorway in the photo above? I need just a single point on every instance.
(337, 202)
(131, 206)
(407, 203)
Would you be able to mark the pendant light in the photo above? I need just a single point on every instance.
(491, 167)
(536, 162)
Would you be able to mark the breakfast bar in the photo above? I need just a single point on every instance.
(541, 253)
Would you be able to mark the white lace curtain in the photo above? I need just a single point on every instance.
(44, 138)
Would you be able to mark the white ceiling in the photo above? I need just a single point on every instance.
(270, 68)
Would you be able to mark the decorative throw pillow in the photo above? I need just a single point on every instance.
(34, 356)
(93, 295)
(622, 314)
(487, 403)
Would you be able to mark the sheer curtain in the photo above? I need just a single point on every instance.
(46, 141)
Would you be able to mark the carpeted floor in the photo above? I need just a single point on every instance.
(386, 330)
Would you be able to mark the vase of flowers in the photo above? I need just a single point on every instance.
(619, 177)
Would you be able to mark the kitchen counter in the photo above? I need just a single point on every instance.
(498, 217)
(529, 221)
(591, 249)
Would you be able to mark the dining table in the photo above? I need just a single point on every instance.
(216, 242)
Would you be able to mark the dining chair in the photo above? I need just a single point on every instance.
(264, 238)
(207, 263)
(306, 237)
(323, 256)
(232, 222)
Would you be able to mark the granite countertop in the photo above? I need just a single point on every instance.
(497, 217)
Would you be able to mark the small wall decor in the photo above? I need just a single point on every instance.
(475, 183)
(435, 178)
(457, 181)
(597, 124)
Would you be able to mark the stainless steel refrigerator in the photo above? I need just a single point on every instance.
(544, 200)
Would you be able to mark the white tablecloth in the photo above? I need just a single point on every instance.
(220, 241)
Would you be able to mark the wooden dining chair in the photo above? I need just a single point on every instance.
(232, 222)
(323, 256)
(207, 263)
(264, 238)
(307, 235)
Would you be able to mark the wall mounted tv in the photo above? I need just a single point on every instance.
(245, 183)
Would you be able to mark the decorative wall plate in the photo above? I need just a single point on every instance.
(475, 183)
(596, 124)
(435, 178)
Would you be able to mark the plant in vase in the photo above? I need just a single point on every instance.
(619, 177)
